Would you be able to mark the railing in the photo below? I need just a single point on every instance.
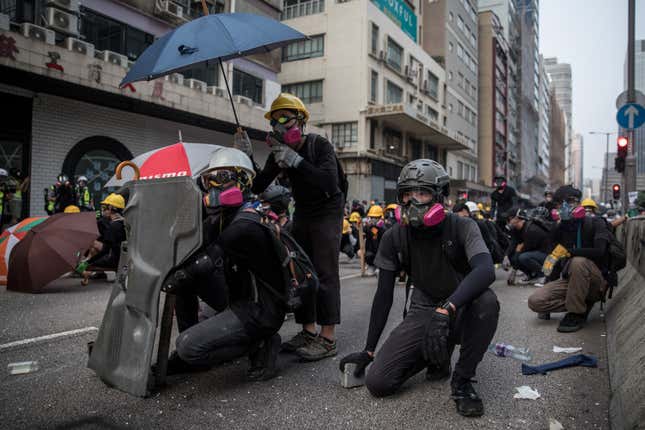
(303, 8)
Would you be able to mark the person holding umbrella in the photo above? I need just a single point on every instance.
(310, 163)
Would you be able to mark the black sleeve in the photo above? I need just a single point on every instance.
(324, 174)
(111, 252)
(380, 307)
(533, 238)
(386, 256)
(600, 243)
(482, 274)
(265, 176)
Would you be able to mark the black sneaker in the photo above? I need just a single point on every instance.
(434, 373)
(571, 322)
(263, 360)
(303, 338)
(176, 366)
(468, 402)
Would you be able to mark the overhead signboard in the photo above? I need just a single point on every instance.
(402, 14)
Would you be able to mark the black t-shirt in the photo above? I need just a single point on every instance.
(249, 250)
(503, 201)
(314, 182)
(535, 238)
(111, 237)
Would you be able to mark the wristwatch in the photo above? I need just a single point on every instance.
(449, 307)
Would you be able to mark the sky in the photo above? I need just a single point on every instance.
(591, 35)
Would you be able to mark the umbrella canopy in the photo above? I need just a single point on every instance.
(9, 238)
(220, 37)
(180, 159)
(49, 250)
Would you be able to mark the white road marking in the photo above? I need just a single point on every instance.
(354, 275)
(24, 342)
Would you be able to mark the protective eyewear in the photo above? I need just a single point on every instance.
(281, 120)
(218, 178)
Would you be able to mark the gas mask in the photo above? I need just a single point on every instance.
(218, 198)
(570, 212)
(291, 136)
(420, 215)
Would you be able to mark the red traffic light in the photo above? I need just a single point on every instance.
(616, 191)
(616, 187)
(622, 142)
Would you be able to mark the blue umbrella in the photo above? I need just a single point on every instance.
(218, 37)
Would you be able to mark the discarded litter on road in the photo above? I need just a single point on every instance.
(526, 392)
(555, 424)
(566, 350)
(574, 360)
(23, 367)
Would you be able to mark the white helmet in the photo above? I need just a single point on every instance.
(230, 158)
(4, 174)
(472, 207)
(81, 179)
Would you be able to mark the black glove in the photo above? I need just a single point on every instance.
(435, 341)
(182, 277)
(360, 359)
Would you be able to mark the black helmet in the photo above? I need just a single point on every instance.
(499, 182)
(541, 212)
(278, 198)
(567, 192)
(425, 174)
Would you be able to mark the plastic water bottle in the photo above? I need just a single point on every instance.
(504, 350)
(22, 367)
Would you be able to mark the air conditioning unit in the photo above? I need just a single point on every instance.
(61, 21)
(216, 91)
(243, 100)
(79, 46)
(70, 5)
(4, 22)
(32, 31)
(115, 58)
(169, 9)
(196, 84)
(175, 78)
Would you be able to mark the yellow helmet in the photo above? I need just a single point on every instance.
(480, 206)
(114, 200)
(355, 217)
(288, 101)
(391, 206)
(375, 212)
(589, 203)
(346, 227)
(71, 209)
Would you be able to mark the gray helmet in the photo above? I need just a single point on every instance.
(81, 179)
(426, 174)
(278, 197)
(231, 158)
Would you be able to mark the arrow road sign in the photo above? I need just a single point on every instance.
(630, 116)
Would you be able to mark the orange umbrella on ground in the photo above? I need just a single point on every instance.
(9, 238)
(50, 250)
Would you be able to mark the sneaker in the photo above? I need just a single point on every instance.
(317, 349)
(529, 280)
(303, 338)
(434, 373)
(468, 402)
(539, 282)
(263, 361)
(544, 316)
(371, 271)
(571, 322)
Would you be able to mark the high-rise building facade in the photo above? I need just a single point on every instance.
(561, 80)
(557, 137)
(577, 153)
(370, 85)
(544, 140)
(493, 98)
(450, 35)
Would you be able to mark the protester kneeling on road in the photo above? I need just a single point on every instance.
(529, 246)
(581, 243)
(451, 270)
(236, 273)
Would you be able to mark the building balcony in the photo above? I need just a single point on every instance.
(407, 118)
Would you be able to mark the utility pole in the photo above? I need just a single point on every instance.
(629, 178)
(605, 189)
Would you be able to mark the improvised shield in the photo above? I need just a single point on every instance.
(164, 227)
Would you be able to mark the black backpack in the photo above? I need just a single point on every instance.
(617, 258)
(298, 273)
(489, 234)
(343, 183)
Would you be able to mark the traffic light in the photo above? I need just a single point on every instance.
(616, 190)
(621, 152)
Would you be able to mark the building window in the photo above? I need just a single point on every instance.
(394, 93)
(416, 148)
(433, 85)
(450, 76)
(107, 34)
(310, 48)
(393, 142)
(344, 134)
(451, 16)
(460, 170)
(374, 87)
(308, 92)
(247, 85)
(374, 39)
(394, 54)
(450, 46)
(295, 8)
(450, 107)
(433, 114)
(460, 108)
(202, 72)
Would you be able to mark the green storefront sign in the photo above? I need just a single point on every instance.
(401, 14)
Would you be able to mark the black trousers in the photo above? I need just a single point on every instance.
(211, 289)
(401, 357)
(320, 239)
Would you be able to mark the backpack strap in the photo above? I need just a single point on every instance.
(311, 145)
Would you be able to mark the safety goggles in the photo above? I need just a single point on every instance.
(281, 120)
(217, 178)
(410, 193)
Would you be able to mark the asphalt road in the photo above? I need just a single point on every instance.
(63, 393)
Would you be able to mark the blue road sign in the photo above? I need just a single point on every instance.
(631, 115)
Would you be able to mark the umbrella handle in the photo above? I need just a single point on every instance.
(129, 164)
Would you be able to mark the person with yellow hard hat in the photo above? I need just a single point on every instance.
(319, 190)
(72, 209)
(390, 215)
(348, 241)
(373, 229)
(590, 206)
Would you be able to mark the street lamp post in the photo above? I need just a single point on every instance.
(606, 171)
